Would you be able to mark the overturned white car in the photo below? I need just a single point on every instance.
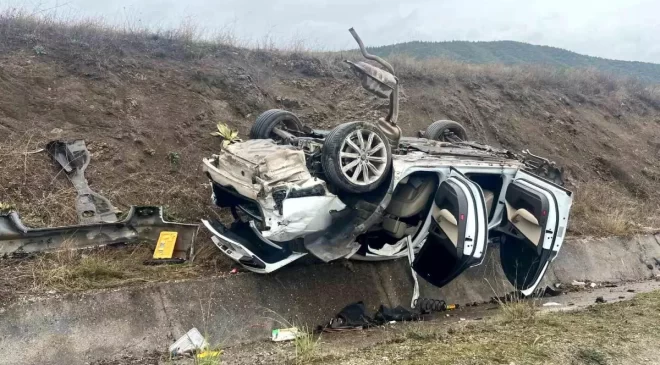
(361, 191)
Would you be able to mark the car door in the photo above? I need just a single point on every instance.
(458, 234)
(536, 220)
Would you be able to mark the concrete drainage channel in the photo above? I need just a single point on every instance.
(81, 328)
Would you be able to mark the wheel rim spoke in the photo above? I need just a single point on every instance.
(350, 165)
(365, 172)
(349, 155)
(372, 168)
(360, 140)
(357, 171)
(378, 147)
(370, 141)
(353, 146)
(377, 159)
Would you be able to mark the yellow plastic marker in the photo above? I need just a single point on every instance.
(208, 353)
(165, 246)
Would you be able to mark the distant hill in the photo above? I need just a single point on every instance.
(510, 52)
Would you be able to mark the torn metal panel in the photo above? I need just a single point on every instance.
(257, 166)
(143, 223)
(301, 216)
(74, 157)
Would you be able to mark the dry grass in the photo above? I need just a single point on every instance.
(105, 267)
(572, 81)
(99, 38)
(620, 333)
(102, 268)
(52, 203)
(588, 81)
(188, 40)
(604, 209)
(306, 346)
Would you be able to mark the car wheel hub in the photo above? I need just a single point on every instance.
(363, 157)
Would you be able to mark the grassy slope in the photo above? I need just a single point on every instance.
(510, 52)
(137, 98)
(621, 333)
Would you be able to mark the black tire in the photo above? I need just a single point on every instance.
(263, 126)
(332, 163)
(438, 131)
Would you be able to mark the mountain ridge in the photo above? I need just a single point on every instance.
(514, 52)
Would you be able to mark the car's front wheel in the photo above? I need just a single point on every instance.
(356, 157)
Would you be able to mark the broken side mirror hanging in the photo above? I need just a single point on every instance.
(381, 83)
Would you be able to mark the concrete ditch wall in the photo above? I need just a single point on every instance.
(80, 328)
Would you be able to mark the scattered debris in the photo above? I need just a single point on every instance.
(429, 305)
(601, 300)
(209, 354)
(165, 245)
(630, 290)
(99, 223)
(74, 158)
(190, 342)
(397, 314)
(284, 334)
(593, 285)
(141, 224)
(552, 292)
(552, 304)
(154, 262)
(578, 283)
(354, 317)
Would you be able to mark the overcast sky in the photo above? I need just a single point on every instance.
(618, 29)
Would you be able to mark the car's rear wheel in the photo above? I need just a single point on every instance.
(446, 131)
(266, 122)
(356, 157)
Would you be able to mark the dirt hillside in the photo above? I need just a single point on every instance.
(146, 104)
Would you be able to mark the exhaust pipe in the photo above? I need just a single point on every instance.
(389, 127)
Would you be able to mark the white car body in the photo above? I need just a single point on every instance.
(469, 195)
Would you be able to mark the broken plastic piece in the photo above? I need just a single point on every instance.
(208, 354)
(188, 343)
(552, 304)
(285, 334)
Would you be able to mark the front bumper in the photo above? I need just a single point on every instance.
(243, 243)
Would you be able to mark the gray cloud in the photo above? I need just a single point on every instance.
(619, 29)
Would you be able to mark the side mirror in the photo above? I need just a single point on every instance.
(375, 80)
